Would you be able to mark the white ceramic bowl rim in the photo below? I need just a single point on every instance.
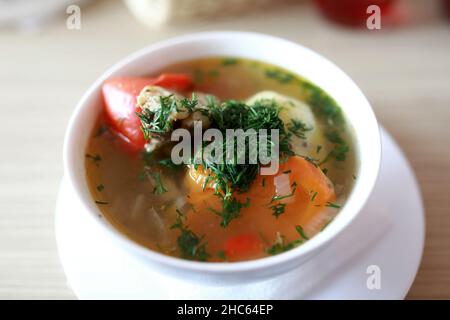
(368, 142)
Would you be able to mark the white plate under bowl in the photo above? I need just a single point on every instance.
(385, 241)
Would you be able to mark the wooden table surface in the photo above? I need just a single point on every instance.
(405, 74)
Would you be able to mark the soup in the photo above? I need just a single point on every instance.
(215, 211)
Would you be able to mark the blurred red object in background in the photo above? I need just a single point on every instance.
(446, 5)
(351, 12)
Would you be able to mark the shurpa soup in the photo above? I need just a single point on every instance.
(207, 211)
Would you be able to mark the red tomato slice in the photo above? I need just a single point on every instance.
(120, 98)
(175, 81)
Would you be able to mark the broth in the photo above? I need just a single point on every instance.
(147, 207)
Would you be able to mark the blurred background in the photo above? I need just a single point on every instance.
(52, 50)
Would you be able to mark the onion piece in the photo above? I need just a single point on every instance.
(283, 187)
(159, 228)
(138, 206)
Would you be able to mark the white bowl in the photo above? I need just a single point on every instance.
(283, 53)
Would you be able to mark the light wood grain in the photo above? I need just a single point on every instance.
(405, 74)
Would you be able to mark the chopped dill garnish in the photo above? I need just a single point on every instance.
(311, 160)
(326, 107)
(168, 163)
(278, 209)
(326, 225)
(340, 150)
(319, 147)
(230, 61)
(279, 246)
(214, 73)
(313, 196)
(101, 202)
(151, 161)
(323, 105)
(301, 232)
(156, 177)
(332, 205)
(230, 210)
(94, 158)
(279, 75)
(156, 123)
(100, 187)
(298, 128)
(230, 176)
(189, 104)
(221, 255)
(159, 187)
(190, 245)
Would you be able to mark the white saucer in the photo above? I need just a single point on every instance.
(389, 233)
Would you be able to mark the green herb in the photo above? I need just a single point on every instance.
(101, 202)
(229, 176)
(156, 177)
(94, 158)
(301, 232)
(156, 123)
(326, 225)
(279, 75)
(298, 128)
(221, 255)
(354, 177)
(279, 246)
(278, 209)
(318, 149)
(100, 187)
(313, 196)
(230, 61)
(230, 210)
(189, 104)
(323, 105)
(214, 73)
(340, 150)
(168, 163)
(152, 161)
(159, 187)
(190, 245)
(332, 205)
(313, 161)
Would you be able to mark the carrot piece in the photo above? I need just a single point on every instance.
(242, 246)
(300, 208)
